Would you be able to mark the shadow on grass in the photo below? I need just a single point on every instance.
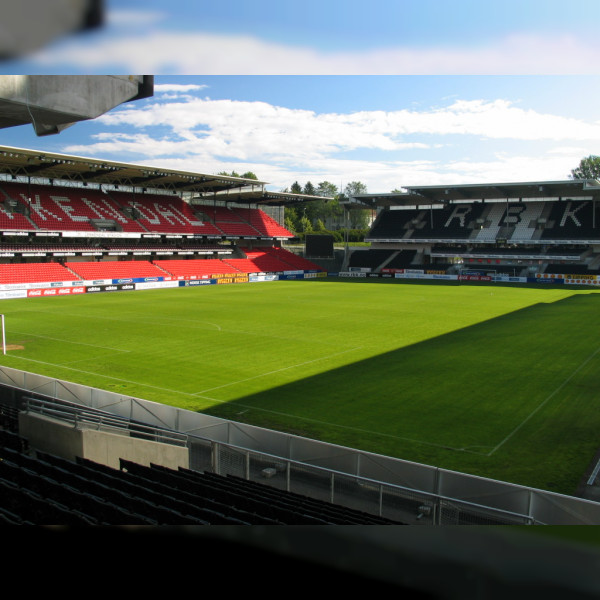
(513, 398)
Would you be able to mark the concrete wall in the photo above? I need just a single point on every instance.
(107, 448)
(65, 440)
(51, 436)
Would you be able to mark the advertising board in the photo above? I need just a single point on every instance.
(154, 285)
(66, 291)
(196, 282)
(253, 278)
(9, 294)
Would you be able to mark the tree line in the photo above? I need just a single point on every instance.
(328, 216)
(323, 216)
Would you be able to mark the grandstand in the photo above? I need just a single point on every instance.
(524, 229)
(58, 211)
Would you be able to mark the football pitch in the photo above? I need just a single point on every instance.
(491, 380)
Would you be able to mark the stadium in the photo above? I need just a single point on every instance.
(439, 376)
(283, 397)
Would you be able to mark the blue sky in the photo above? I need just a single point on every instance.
(329, 37)
(386, 131)
(391, 93)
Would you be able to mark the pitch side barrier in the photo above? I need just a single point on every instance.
(408, 491)
(65, 288)
(541, 279)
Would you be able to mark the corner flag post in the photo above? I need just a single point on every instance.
(3, 336)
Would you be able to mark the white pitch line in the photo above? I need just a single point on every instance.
(276, 371)
(154, 387)
(560, 387)
(347, 427)
(156, 319)
(45, 337)
(247, 406)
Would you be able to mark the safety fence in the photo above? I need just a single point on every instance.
(394, 488)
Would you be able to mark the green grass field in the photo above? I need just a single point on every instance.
(496, 381)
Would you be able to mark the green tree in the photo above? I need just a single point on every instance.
(289, 224)
(305, 225)
(589, 168)
(310, 190)
(327, 189)
(296, 188)
(246, 175)
(357, 218)
(291, 219)
(354, 188)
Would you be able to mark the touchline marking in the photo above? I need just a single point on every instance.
(308, 362)
(41, 362)
(45, 337)
(560, 387)
(348, 427)
(250, 407)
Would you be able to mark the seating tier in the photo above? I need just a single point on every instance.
(69, 209)
(115, 269)
(34, 272)
(195, 268)
(164, 214)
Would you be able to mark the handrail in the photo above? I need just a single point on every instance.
(78, 415)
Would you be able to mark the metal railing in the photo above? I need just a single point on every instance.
(392, 487)
(78, 416)
(393, 502)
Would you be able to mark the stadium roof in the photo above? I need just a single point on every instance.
(267, 198)
(19, 162)
(439, 194)
(23, 163)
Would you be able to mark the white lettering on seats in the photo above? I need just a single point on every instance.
(36, 205)
(103, 209)
(459, 212)
(571, 213)
(513, 214)
(69, 210)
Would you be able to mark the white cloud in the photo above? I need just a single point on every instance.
(201, 52)
(165, 88)
(405, 147)
(134, 18)
(258, 128)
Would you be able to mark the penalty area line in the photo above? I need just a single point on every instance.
(545, 401)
